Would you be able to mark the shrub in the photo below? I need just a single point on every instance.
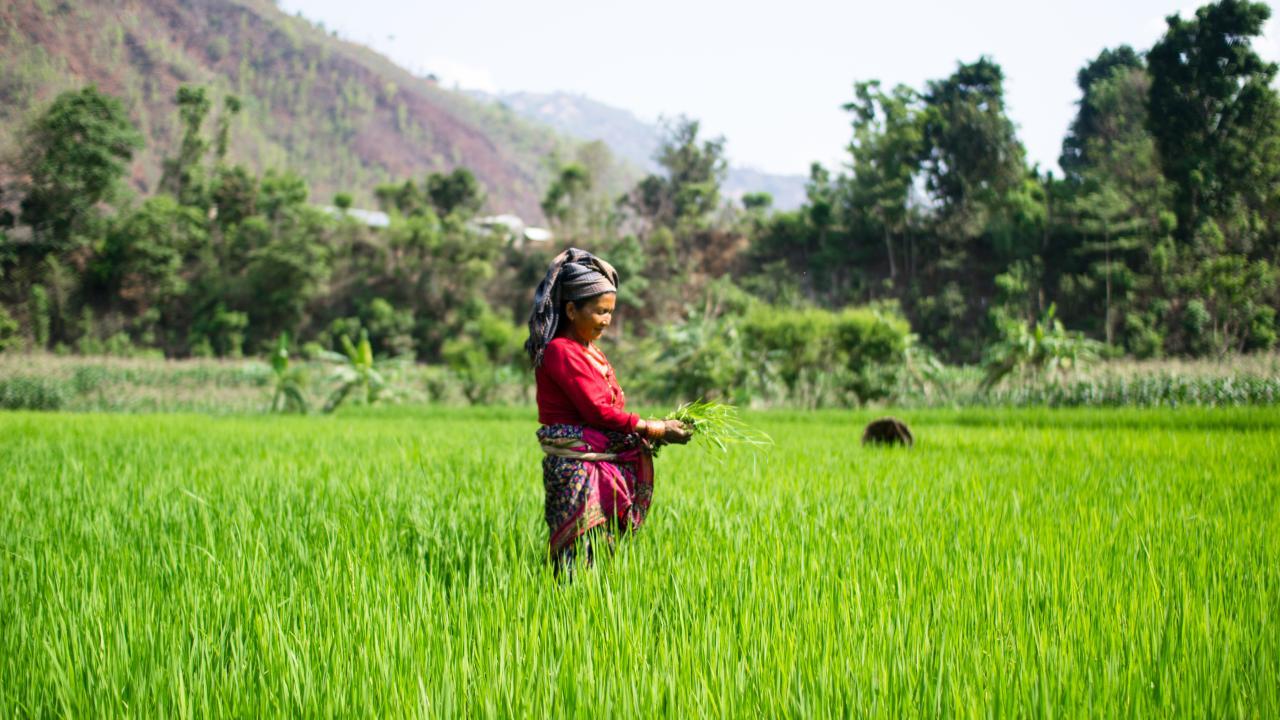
(8, 330)
(856, 352)
(1262, 329)
(31, 393)
(1196, 325)
(1142, 337)
(485, 356)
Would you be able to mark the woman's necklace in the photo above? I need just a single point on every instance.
(598, 359)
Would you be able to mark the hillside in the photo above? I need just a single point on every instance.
(635, 140)
(339, 114)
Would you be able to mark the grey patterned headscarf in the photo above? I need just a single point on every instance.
(573, 275)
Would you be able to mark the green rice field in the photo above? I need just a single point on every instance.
(390, 562)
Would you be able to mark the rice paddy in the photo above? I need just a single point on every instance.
(389, 562)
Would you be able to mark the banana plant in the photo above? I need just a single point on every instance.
(355, 373)
(1043, 348)
(289, 380)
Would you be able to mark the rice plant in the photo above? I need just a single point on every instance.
(718, 424)
(391, 562)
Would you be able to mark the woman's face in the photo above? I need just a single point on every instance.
(588, 320)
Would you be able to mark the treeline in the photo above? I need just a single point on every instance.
(1158, 239)
(221, 261)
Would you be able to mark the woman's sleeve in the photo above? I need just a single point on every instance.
(587, 389)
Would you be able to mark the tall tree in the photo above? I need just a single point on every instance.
(1117, 207)
(459, 191)
(76, 153)
(886, 148)
(182, 177)
(1089, 120)
(565, 203)
(689, 189)
(972, 154)
(1216, 120)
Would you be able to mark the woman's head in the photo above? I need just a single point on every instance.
(586, 320)
(578, 287)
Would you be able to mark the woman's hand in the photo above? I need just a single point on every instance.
(676, 432)
(665, 431)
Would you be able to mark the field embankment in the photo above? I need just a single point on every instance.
(42, 381)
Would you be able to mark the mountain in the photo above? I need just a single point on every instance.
(342, 116)
(635, 140)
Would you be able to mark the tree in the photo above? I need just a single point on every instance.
(1091, 120)
(886, 150)
(987, 209)
(146, 252)
(1216, 121)
(972, 156)
(76, 153)
(231, 107)
(459, 191)
(1237, 296)
(689, 188)
(1119, 208)
(565, 201)
(182, 177)
(757, 201)
(694, 171)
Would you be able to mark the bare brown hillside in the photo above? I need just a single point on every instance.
(337, 113)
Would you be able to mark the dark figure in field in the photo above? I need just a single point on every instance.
(887, 431)
(598, 469)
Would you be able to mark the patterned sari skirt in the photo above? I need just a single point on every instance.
(593, 478)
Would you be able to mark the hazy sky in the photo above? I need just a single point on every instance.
(769, 76)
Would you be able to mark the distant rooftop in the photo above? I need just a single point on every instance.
(371, 218)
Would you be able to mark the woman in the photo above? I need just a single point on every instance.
(598, 469)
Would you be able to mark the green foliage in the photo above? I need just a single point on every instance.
(290, 381)
(456, 192)
(144, 257)
(38, 310)
(375, 563)
(689, 189)
(703, 356)
(486, 354)
(231, 107)
(859, 351)
(1216, 118)
(183, 177)
(972, 155)
(74, 155)
(1231, 295)
(355, 373)
(1092, 122)
(9, 336)
(221, 330)
(565, 202)
(31, 393)
(718, 425)
(1044, 348)
(390, 329)
(760, 201)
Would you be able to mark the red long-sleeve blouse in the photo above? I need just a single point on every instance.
(576, 386)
